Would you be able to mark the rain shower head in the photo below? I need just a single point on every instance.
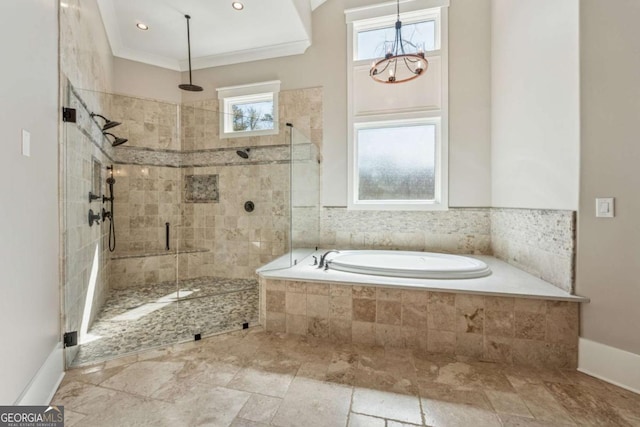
(244, 153)
(108, 124)
(189, 86)
(117, 141)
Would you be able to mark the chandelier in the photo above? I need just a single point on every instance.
(398, 66)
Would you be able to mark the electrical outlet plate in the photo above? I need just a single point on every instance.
(604, 207)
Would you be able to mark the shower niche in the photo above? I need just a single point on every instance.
(187, 250)
(201, 189)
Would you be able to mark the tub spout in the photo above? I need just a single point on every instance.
(324, 256)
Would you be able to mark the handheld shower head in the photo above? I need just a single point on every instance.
(108, 123)
(244, 153)
(117, 141)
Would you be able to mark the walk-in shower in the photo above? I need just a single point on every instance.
(187, 247)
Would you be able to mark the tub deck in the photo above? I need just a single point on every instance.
(505, 280)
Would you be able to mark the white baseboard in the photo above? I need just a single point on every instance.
(609, 364)
(44, 384)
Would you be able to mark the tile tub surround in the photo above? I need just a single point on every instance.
(541, 242)
(253, 378)
(457, 230)
(535, 329)
(519, 331)
(538, 241)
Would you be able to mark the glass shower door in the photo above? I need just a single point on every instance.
(120, 279)
(305, 196)
(228, 224)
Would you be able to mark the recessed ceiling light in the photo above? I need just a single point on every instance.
(237, 5)
(142, 26)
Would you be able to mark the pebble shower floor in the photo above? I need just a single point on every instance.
(144, 317)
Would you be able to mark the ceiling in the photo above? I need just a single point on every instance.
(220, 35)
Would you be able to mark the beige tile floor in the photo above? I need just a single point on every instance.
(253, 378)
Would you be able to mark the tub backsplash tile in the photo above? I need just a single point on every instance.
(453, 231)
(538, 241)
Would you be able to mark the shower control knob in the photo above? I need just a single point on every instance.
(249, 206)
(94, 218)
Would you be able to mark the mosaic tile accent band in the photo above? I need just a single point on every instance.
(519, 331)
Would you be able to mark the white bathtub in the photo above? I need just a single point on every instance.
(495, 277)
(404, 264)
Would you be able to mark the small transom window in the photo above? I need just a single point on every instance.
(249, 110)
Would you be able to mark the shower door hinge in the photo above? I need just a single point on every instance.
(70, 339)
(68, 115)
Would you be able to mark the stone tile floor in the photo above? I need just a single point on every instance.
(253, 378)
(216, 305)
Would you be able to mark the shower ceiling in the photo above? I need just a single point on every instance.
(220, 35)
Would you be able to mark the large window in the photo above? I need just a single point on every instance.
(396, 162)
(398, 132)
(249, 110)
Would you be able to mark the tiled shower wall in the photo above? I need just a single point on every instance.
(146, 197)
(238, 242)
(146, 123)
(151, 184)
(302, 108)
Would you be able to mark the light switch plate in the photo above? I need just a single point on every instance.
(604, 207)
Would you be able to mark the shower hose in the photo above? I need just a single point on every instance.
(112, 223)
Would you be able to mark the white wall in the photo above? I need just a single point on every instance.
(535, 103)
(609, 249)
(470, 103)
(133, 78)
(324, 64)
(29, 304)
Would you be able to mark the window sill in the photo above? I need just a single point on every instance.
(249, 133)
(398, 206)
